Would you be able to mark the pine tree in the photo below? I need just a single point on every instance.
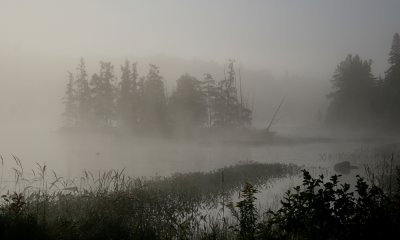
(103, 94)
(153, 105)
(188, 104)
(140, 101)
(135, 95)
(69, 100)
(394, 55)
(228, 110)
(82, 94)
(353, 95)
(392, 81)
(127, 102)
(232, 117)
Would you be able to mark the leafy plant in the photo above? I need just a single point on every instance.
(247, 215)
(329, 210)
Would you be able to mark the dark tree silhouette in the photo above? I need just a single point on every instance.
(83, 94)
(103, 94)
(127, 98)
(69, 100)
(392, 82)
(228, 110)
(188, 105)
(140, 103)
(153, 104)
(353, 95)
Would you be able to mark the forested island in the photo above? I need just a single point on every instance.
(141, 104)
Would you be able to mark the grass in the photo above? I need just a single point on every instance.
(112, 205)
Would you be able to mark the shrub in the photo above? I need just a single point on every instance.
(329, 210)
(247, 215)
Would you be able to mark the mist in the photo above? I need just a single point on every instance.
(160, 89)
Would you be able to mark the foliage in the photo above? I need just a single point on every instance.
(359, 99)
(127, 97)
(70, 112)
(391, 84)
(247, 215)
(115, 206)
(141, 103)
(329, 210)
(353, 95)
(229, 110)
(188, 104)
(83, 94)
(16, 222)
(103, 94)
(153, 108)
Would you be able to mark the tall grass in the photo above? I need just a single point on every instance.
(113, 205)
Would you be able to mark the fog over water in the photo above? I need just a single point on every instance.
(282, 48)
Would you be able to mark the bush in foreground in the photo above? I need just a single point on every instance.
(162, 209)
(329, 210)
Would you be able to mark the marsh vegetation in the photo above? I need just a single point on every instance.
(114, 205)
(198, 205)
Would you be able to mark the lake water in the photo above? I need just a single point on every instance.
(69, 155)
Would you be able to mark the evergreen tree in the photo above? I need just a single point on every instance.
(353, 95)
(153, 105)
(127, 101)
(229, 89)
(228, 110)
(69, 100)
(142, 102)
(188, 103)
(392, 81)
(103, 90)
(394, 55)
(140, 98)
(82, 94)
(135, 95)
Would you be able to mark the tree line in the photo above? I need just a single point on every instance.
(361, 99)
(140, 103)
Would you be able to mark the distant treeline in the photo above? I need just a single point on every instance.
(142, 104)
(362, 99)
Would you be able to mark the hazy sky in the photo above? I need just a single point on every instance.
(278, 35)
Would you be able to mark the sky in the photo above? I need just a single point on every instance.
(307, 37)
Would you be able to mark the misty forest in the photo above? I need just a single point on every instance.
(140, 104)
(199, 120)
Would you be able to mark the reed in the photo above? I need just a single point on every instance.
(113, 205)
